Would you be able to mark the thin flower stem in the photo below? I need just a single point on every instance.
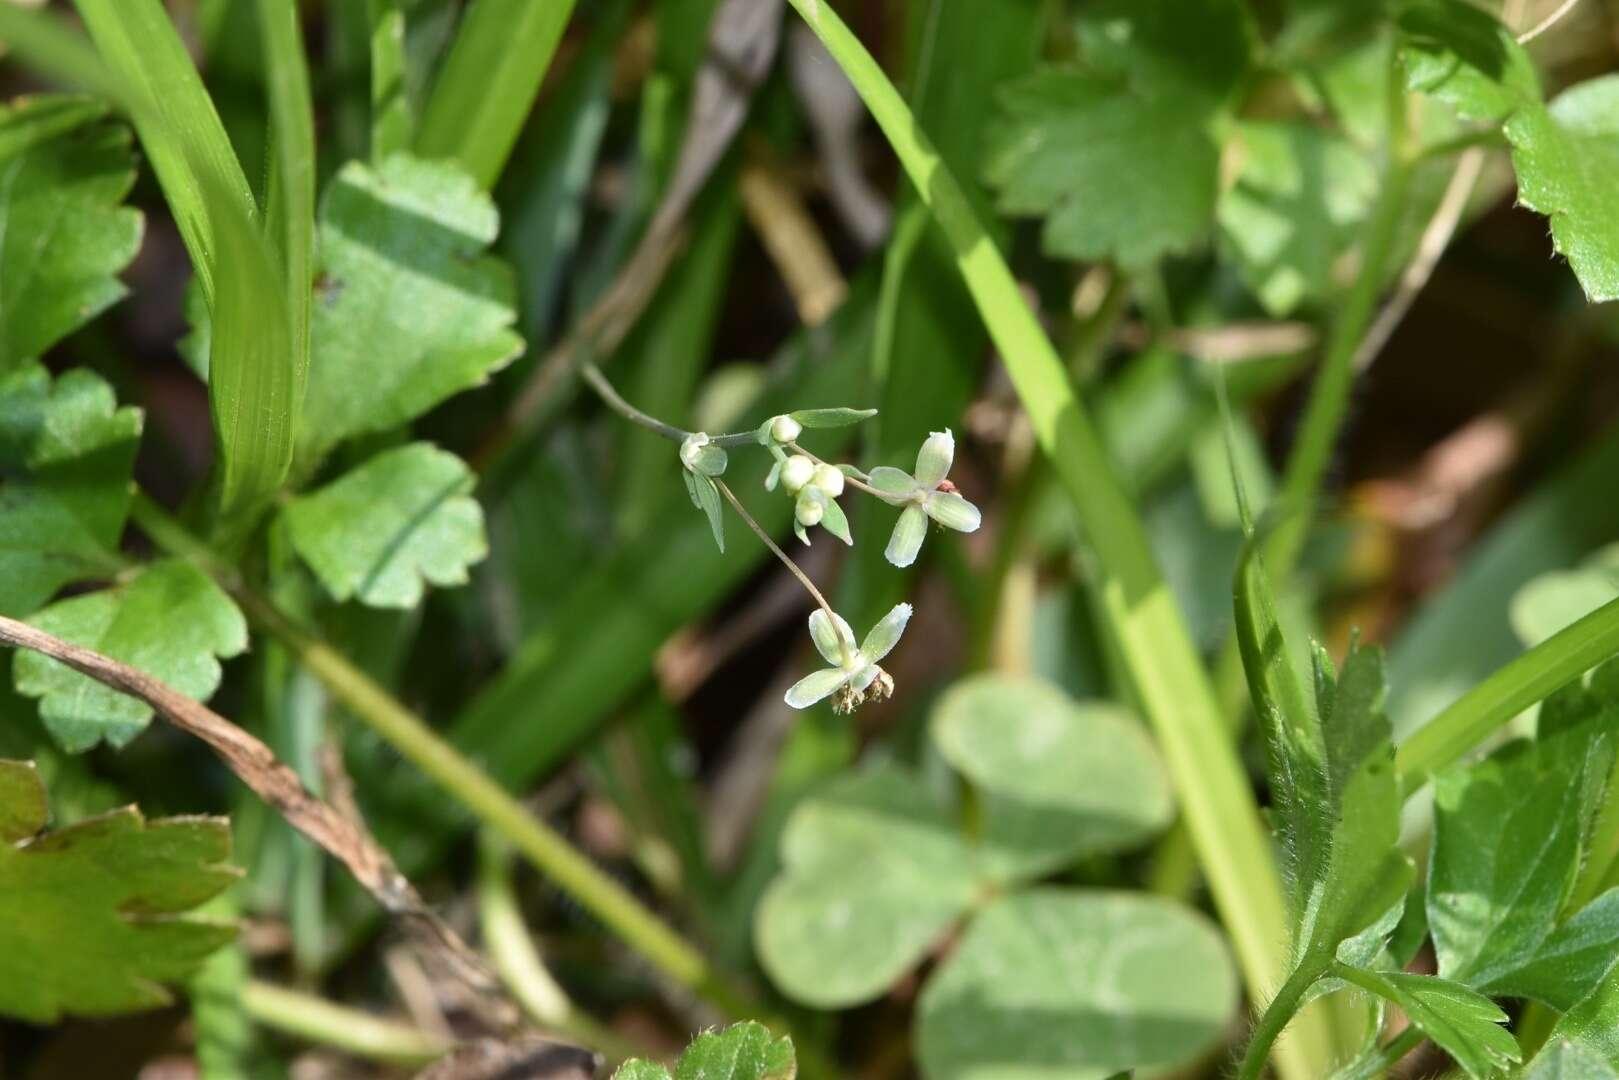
(1278, 1014)
(803, 579)
(853, 482)
(609, 394)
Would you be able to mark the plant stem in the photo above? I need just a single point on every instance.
(610, 395)
(797, 572)
(1163, 663)
(1329, 397)
(546, 849)
(354, 1032)
(1277, 1015)
(1558, 660)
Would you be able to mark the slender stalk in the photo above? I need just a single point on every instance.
(546, 849)
(797, 572)
(1140, 612)
(1278, 1014)
(1329, 397)
(354, 1032)
(610, 395)
(1558, 660)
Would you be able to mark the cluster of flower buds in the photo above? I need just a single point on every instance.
(815, 486)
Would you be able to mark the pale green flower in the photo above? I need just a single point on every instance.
(924, 494)
(854, 676)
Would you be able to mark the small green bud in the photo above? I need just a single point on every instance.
(798, 471)
(810, 508)
(784, 429)
(829, 479)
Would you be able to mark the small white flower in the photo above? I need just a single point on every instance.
(924, 494)
(854, 675)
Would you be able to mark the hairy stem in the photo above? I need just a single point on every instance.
(1277, 1016)
(549, 852)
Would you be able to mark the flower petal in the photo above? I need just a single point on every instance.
(815, 686)
(826, 638)
(952, 511)
(892, 481)
(774, 478)
(885, 635)
(934, 459)
(907, 538)
(864, 678)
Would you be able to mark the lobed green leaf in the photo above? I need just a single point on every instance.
(746, 1051)
(380, 533)
(66, 453)
(171, 621)
(93, 917)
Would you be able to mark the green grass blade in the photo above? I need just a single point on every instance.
(488, 82)
(1163, 663)
(392, 125)
(254, 376)
(1559, 659)
(292, 188)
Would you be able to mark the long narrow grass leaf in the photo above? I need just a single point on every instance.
(488, 82)
(255, 377)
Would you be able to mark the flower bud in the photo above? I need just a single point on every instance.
(829, 478)
(784, 429)
(796, 473)
(809, 509)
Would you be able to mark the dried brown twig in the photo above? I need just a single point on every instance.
(343, 836)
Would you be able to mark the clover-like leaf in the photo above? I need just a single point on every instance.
(1059, 778)
(1464, 56)
(746, 1051)
(380, 533)
(92, 917)
(1464, 1023)
(1567, 159)
(1294, 209)
(66, 452)
(874, 873)
(408, 307)
(1057, 982)
(64, 233)
(171, 622)
(1117, 154)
